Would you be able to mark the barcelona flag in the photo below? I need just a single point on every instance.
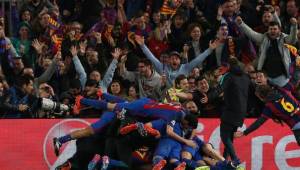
(56, 34)
(57, 40)
(170, 7)
(292, 49)
(295, 59)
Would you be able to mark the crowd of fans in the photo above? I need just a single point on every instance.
(209, 56)
(61, 49)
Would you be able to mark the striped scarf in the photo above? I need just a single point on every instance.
(53, 24)
(170, 7)
(295, 58)
(56, 34)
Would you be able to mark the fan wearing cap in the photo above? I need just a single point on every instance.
(175, 68)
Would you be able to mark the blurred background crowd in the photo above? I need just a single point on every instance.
(167, 50)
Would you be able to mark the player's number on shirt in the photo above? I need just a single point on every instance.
(287, 106)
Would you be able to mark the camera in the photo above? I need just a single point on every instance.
(50, 105)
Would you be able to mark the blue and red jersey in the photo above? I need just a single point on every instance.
(285, 108)
(148, 108)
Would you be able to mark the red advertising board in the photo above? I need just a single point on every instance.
(27, 144)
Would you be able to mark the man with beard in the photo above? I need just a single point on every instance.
(148, 80)
(274, 57)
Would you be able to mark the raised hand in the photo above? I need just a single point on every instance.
(111, 41)
(139, 39)
(214, 44)
(73, 51)
(22, 107)
(238, 20)
(293, 21)
(116, 53)
(37, 46)
(186, 48)
(167, 27)
(123, 59)
(220, 12)
(98, 37)
(82, 47)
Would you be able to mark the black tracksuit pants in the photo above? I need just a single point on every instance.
(227, 132)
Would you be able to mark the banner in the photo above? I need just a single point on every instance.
(27, 144)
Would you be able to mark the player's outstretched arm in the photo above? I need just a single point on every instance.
(260, 121)
(98, 104)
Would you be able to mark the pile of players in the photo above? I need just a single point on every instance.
(167, 129)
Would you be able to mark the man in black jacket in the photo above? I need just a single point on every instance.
(235, 85)
(205, 97)
(19, 99)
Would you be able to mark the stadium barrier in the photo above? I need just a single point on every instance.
(27, 144)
